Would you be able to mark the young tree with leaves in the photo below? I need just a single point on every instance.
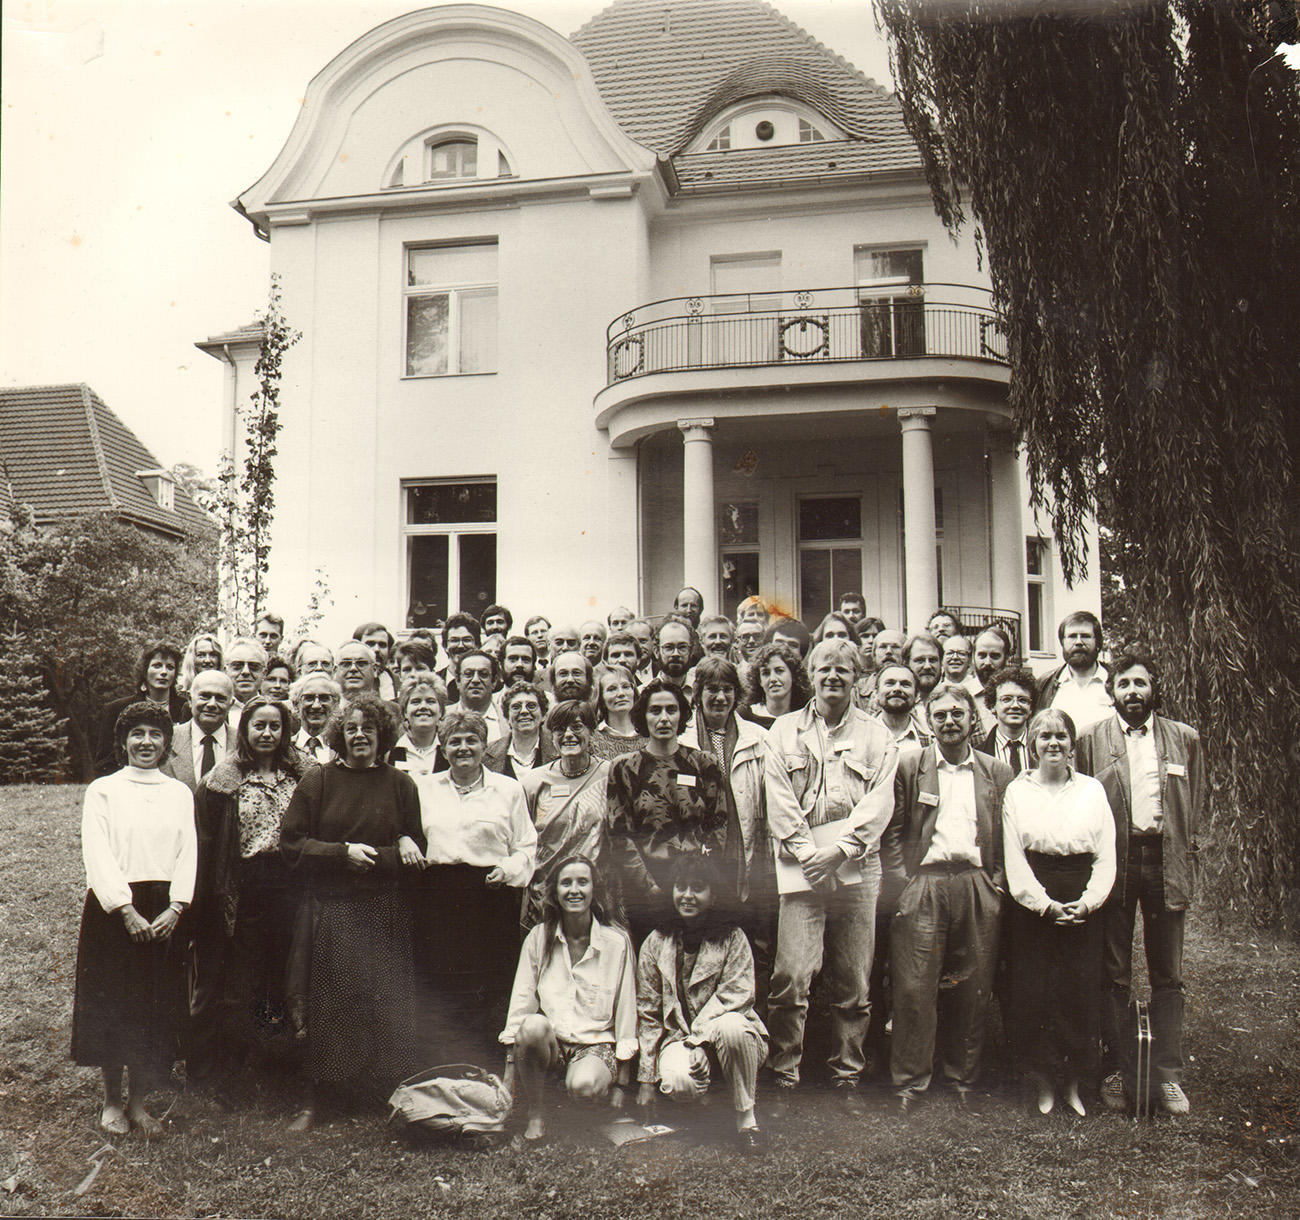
(1134, 171)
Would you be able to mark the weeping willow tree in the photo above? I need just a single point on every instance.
(1133, 173)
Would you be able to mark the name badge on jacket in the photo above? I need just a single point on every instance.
(686, 781)
(928, 798)
(1176, 769)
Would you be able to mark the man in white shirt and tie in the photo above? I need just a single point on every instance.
(1012, 693)
(204, 740)
(945, 840)
(314, 698)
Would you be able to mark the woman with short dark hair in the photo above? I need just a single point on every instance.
(140, 851)
(245, 902)
(663, 799)
(351, 828)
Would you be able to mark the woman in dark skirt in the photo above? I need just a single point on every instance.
(482, 847)
(245, 902)
(352, 828)
(1059, 838)
(140, 852)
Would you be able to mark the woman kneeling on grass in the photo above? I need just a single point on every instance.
(141, 852)
(695, 1001)
(573, 1008)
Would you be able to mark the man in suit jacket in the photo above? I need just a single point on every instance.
(1011, 695)
(1154, 776)
(203, 741)
(1079, 688)
(945, 839)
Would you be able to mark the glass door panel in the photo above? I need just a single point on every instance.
(428, 565)
(478, 572)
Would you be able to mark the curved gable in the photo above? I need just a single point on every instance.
(466, 66)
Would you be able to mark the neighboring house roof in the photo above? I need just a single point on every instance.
(65, 453)
(666, 67)
(251, 332)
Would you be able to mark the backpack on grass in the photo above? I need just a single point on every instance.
(457, 1097)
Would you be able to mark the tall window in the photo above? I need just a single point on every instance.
(830, 553)
(451, 548)
(892, 301)
(1037, 554)
(738, 552)
(451, 309)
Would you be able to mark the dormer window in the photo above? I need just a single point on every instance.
(161, 487)
(765, 123)
(449, 156)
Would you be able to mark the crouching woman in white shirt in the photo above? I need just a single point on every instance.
(140, 850)
(573, 1008)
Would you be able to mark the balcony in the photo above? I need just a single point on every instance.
(832, 339)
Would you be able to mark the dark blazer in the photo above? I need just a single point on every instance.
(910, 831)
(106, 763)
(498, 757)
(1102, 751)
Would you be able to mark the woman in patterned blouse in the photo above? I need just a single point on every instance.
(664, 800)
(244, 903)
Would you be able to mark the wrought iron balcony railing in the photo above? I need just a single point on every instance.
(805, 327)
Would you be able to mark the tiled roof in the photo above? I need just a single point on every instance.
(65, 453)
(666, 67)
(753, 168)
(252, 332)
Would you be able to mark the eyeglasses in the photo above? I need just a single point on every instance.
(956, 713)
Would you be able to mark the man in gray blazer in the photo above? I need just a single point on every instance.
(204, 740)
(1154, 776)
(944, 844)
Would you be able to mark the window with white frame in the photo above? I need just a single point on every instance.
(1037, 556)
(448, 156)
(892, 295)
(451, 309)
(450, 535)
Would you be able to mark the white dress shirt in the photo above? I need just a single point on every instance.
(1002, 749)
(221, 739)
(496, 726)
(487, 827)
(587, 1002)
(954, 840)
(320, 751)
(1076, 820)
(1086, 703)
(1144, 778)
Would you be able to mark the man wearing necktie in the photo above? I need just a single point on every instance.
(945, 841)
(314, 698)
(206, 738)
(1154, 776)
(1011, 695)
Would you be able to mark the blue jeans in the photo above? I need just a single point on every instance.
(839, 927)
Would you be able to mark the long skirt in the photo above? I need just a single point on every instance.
(467, 942)
(361, 1010)
(130, 1004)
(1055, 976)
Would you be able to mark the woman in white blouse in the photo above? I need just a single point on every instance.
(140, 851)
(480, 854)
(573, 1007)
(1059, 837)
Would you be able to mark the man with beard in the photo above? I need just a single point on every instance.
(945, 844)
(675, 645)
(518, 661)
(314, 698)
(572, 676)
(854, 608)
(591, 640)
(1012, 693)
(1154, 776)
(923, 655)
(896, 697)
(379, 640)
(496, 620)
(690, 602)
(829, 777)
(992, 653)
(1080, 687)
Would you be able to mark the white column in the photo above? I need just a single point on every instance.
(699, 535)
(918, 516)
(1006, 528)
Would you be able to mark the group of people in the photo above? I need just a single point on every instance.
(629, 850)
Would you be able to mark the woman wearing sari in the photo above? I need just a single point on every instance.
(566, 801)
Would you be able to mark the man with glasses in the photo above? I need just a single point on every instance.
(478, 683)
(354, 669)
(944, 843)
(1012, 694)
(314, 697)
(674, 648)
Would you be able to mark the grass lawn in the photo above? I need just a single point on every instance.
(1235, 1155)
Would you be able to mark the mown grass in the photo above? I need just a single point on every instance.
(1235, 1155)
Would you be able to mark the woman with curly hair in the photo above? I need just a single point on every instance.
(140, 852)
(573, 1007)
(245, 903)
(352, 827)
(778, 684)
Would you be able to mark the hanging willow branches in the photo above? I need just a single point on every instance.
(1134, 173)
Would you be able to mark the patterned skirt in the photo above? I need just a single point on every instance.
(130, 1002)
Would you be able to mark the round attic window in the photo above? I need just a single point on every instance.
(764, 129)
